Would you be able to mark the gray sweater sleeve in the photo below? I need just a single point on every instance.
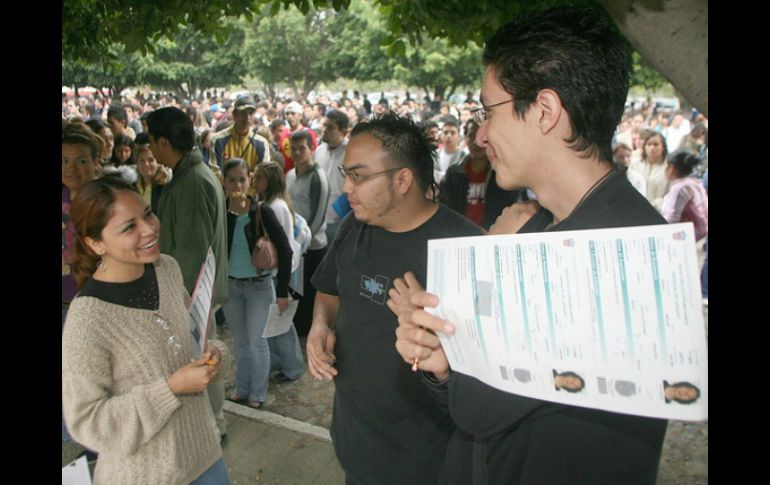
(319, 199)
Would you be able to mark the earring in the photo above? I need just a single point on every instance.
(101, 265)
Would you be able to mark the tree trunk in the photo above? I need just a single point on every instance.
(673, 37)
(269, 90)
(439, 91)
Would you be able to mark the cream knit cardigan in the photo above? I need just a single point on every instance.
(115, 362)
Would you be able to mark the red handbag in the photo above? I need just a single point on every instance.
(264, 256)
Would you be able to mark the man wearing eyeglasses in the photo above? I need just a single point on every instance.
(554, 90)
(386, 429)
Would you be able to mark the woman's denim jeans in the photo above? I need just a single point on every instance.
(215, 475)
(246, 311)
(286, 354)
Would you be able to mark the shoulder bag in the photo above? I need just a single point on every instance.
(264, 256)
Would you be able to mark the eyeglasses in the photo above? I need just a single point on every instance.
(357, 178)
(480, 114)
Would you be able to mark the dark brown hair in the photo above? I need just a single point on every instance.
(90, 213)
(77, 133)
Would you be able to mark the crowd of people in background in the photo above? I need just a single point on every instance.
(307, 138)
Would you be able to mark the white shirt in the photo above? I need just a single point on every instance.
(674, 135)
(637, 180)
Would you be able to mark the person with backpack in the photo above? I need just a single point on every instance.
(286, 361)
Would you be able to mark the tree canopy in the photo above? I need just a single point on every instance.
(92, 28)
(294, 49)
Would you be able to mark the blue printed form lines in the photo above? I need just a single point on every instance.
(547, 289)
(626, 303)
(500, 298)
(476, 310)
(523, 295)
(598, 299)
(658, 299)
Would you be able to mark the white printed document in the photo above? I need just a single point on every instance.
(279, 323)
(76, 473)
(609, 319)
(200, 301)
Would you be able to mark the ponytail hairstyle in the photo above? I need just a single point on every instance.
(684, 162)
(91, 211)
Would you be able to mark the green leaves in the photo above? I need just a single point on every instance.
(397, 48)
(90, 27)
(645, 76)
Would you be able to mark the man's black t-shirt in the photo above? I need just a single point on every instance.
(386, 428)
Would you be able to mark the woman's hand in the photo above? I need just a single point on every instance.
(283, 304)
(195, 376)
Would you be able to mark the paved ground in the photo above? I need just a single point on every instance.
(684, 460)
(288, 443)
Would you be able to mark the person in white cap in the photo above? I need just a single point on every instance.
(293, 113)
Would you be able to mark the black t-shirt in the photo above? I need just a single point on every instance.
(386, 428)
(529, 441)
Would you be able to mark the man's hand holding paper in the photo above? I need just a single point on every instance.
(416, 333)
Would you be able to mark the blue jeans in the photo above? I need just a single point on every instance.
(246, 309)
(215, 475)
(286, 354)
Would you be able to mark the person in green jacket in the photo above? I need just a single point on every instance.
(191, 210)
